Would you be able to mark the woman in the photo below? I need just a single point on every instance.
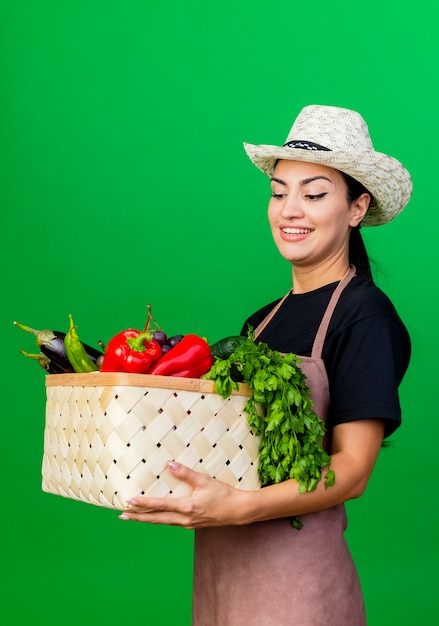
(251, 567)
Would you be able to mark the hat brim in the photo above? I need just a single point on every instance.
(385, 177)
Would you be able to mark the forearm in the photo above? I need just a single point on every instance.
(285, 500)
(354, 452)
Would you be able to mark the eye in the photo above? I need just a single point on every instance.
(316, 196)
(278, 195)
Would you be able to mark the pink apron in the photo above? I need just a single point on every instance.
(268, 573)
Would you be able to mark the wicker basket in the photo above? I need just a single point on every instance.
(108, 437)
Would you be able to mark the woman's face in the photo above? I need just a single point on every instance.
(309, 213)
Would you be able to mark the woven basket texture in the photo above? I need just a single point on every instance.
(108, 438)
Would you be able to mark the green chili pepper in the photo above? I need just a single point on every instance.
(76, 352)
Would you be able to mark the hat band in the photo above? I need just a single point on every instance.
(305, 145)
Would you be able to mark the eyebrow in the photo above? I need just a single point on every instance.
(303, 182)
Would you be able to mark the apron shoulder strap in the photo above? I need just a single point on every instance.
(270, 316)
(324, 324)
(323, 328)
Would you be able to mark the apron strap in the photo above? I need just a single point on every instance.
(323, 328)
(270, 316)
(324, 324)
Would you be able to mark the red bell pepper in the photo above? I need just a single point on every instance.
(131, 351)
(190, 358)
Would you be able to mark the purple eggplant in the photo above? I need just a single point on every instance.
(51, 344)
(45, 363)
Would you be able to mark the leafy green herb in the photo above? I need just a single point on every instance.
(280, 411)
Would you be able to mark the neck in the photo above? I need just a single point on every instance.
(309, 278)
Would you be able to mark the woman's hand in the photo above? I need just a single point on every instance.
(355, 447)
(211, 503)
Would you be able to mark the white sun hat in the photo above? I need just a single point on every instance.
(339, 138)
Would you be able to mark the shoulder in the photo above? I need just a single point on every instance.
(365, 317)
(363, 290)
(362, 299)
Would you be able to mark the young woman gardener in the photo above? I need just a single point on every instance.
(251, 567)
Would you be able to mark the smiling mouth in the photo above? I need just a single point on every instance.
(296, 231)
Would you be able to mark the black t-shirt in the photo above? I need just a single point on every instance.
(366, 351)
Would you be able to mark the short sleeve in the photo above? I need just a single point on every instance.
(368, 363)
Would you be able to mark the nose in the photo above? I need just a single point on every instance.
(291, 207)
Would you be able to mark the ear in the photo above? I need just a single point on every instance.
(359, 209)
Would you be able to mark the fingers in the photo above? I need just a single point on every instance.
(141, 504)
(167, 510)
(155, 517)
(203, 507)
(154, 510)
(189, 476)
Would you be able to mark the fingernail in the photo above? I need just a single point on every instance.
(132, 501)
(173, 465)
(123, 516)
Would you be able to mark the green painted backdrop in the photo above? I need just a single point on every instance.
(124, 182)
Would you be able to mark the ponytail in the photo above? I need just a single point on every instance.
(358, 255)
(357, 250)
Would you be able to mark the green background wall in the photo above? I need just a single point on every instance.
(124, 182)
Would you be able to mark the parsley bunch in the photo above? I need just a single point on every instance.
(280, 411)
